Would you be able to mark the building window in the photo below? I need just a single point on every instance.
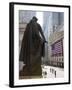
(59, 59)
(62, 59)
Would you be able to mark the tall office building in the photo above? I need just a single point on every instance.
(56, 38)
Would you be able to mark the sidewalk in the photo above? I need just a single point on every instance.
(49, 72)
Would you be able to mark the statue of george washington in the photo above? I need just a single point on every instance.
(32, 49)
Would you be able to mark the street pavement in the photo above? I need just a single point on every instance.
(52, 72)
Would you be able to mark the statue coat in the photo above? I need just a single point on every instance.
(32, 49)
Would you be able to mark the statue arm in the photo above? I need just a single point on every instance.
(41, 32)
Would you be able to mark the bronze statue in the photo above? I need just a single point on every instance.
(32, 49)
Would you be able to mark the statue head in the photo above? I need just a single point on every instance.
(34, 18)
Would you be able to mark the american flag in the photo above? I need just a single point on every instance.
(57, 48)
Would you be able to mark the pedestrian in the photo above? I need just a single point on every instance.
(55, 74)
(50, 69)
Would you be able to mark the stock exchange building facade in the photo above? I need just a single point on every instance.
(56, 41)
